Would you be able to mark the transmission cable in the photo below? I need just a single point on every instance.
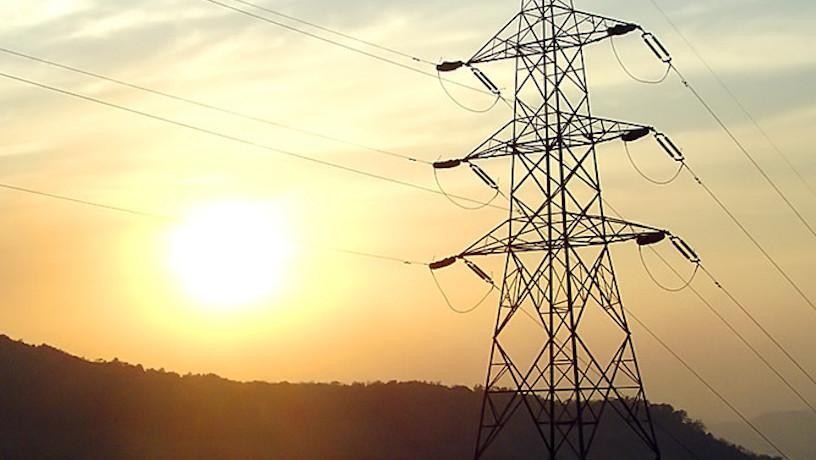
(335, 32)
(107, 207)
(745, 151)
(708, 385)
(677, 156)
(165, 217)
(742, 338)
(751, 237)
(661, 182)
(454, 309)
(228, 136)
(206, 105)
(686, 283)
(735, 98)
(632, 74)
(748, 314)
(756, 322)
(341, 45)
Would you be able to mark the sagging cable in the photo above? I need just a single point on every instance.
(435, 266)
(632, 75)
(645, 176)
(451, 66)
(478, 171)
(662, 286)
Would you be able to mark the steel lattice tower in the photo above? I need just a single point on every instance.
(556, 241)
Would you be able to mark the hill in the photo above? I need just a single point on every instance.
(57, 406)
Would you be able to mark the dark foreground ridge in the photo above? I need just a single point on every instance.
(57, 406)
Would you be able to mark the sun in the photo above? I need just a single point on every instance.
(231, 254)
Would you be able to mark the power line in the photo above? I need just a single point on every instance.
(730, 327)
(164, 217)
(94, 204)
(341, 45)
(751, 237)
(229, 136)
(745, 152)
(742, 338)
(206, 105)
(336, 32)
(758, 324)
(708, 385)
(734, 97)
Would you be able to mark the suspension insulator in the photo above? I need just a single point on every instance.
(685, 250)
(447, 164)
(671, 149)
(443, 263)
(635, 134)
(621, 29)
(485, 81)
(449, 66)
(484, 177)
(648, 239)
(479, 272)
(657, 47)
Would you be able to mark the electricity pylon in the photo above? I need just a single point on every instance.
(556, 242)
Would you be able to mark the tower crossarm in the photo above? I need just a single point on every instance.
(520, 36)
(583, 231)
(524, 136)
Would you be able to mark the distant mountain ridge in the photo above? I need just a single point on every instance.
(57, 406)
(794, 431)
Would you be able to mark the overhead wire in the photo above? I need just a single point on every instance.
(661, 182)
(225, 136)
(666, 58)
(765, 361)
(751, 237)
(686, 283)
(631, 74)
(759, 325)
(463, 106)
(735, 98)
(746, 153)
(339, 44)
(449, 303)
(709, 386)
(169, 218)
(754, 320)
(722, 205)
(206, 105)
(476, 207)
(335, 32)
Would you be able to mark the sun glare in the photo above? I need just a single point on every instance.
(228, 255)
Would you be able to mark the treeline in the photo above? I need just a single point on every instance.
(56, 406)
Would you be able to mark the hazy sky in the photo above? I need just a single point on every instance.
(95, 283)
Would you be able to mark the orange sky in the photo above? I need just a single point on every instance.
(96, 283)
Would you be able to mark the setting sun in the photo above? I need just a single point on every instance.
(230, 254)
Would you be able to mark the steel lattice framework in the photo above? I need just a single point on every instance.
(556, 242)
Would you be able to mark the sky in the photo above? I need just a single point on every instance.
(97, 283)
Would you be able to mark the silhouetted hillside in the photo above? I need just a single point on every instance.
(56, 406)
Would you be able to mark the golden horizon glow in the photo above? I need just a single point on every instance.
(228, 255)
